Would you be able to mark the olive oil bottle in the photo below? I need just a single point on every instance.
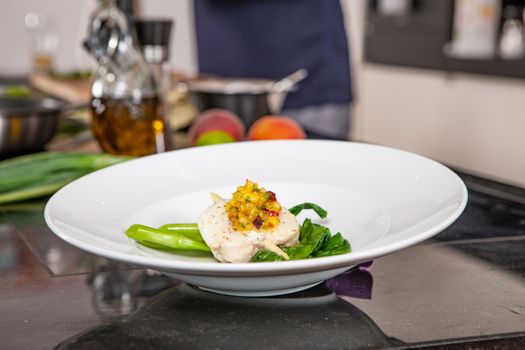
(127, 112)
(127, 127)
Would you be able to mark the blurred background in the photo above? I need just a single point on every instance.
(444, 79)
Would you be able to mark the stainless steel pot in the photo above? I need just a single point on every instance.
(27, 124)
(249, 98)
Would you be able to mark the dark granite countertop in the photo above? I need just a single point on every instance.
(465, 288)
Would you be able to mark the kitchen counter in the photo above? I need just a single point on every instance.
(463, 288)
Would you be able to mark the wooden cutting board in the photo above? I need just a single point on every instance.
(72, 90)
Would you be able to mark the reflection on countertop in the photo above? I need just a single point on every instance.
(186, 317)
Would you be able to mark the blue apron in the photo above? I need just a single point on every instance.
(273, 38)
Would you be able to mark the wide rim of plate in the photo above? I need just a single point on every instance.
(263, 268)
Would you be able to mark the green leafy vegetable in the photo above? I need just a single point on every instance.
(314, 241)
(300, 207)
(266, 256)
(19, 91)
(335, 245)
(311, 238)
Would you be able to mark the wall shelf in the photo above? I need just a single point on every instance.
(418, 41)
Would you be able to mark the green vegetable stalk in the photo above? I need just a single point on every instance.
(41, 174)
(189, 230)
(165, 239)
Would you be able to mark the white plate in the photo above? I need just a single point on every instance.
(380, 199)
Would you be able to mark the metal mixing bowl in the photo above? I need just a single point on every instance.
(27, 124)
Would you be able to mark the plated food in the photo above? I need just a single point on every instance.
(252, 226)
(382, 200)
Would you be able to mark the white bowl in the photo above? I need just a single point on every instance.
(381, 199)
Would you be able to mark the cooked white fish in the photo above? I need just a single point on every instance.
(229, 245)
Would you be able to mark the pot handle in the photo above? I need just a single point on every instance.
(287, 83)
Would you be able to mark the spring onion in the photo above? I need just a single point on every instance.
(41, 174)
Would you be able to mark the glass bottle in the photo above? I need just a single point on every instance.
(154, 36)
(127, 112)
(511, 45)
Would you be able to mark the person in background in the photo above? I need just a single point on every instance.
(272, 38)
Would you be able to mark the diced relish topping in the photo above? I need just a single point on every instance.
(253, 208)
